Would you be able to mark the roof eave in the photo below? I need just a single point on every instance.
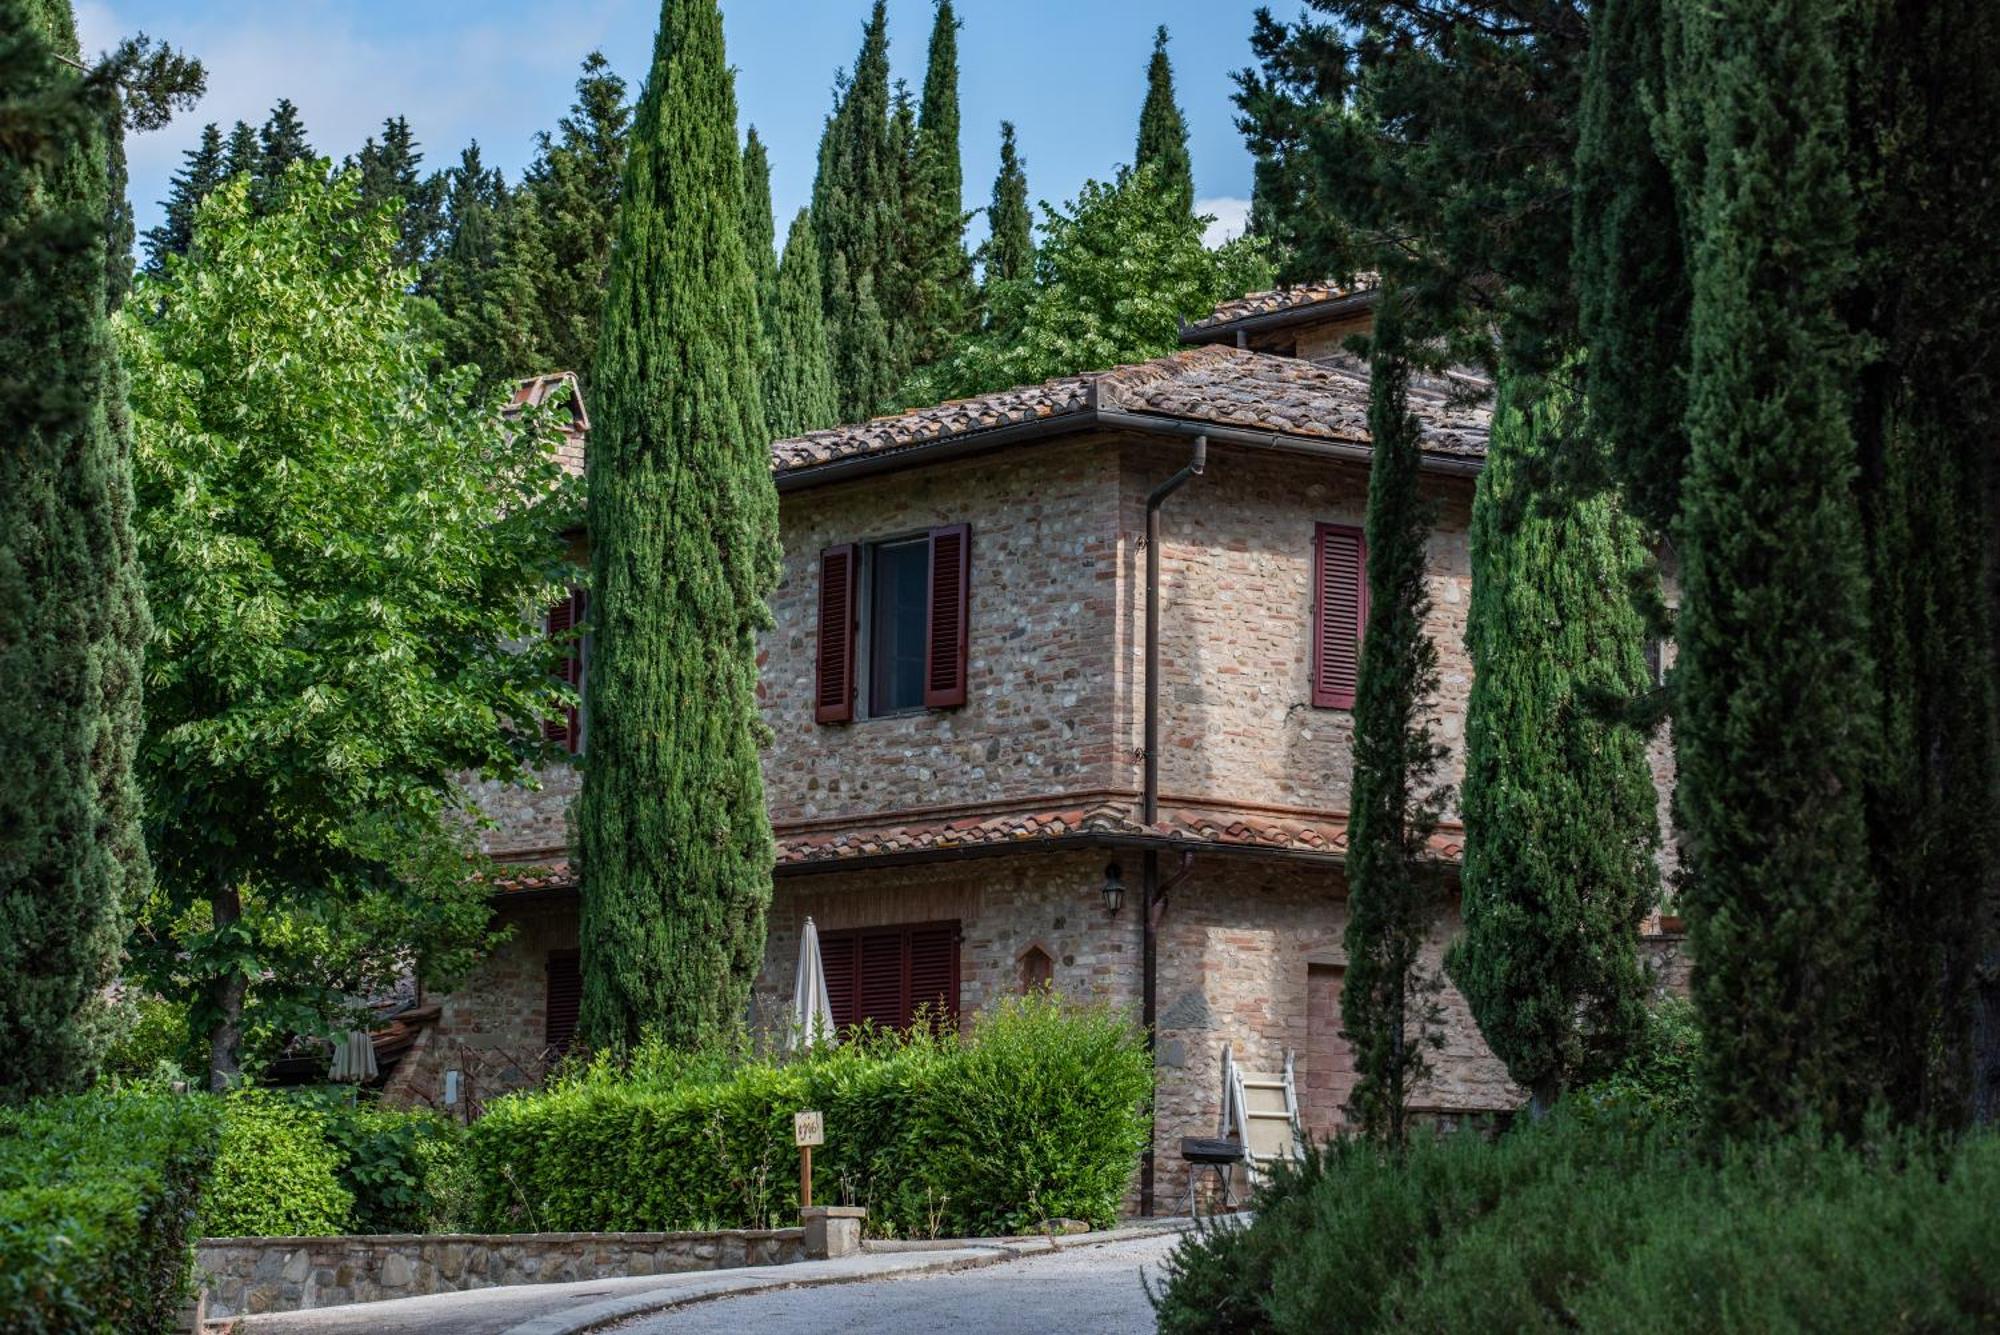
(1304, 313)
(1099, 418)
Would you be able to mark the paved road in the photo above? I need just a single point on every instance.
(1080, 1290)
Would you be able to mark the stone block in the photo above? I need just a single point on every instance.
(832, 1231)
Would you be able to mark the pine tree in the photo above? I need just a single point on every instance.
(73, 624)
(1775, 733)
(239, 156)
(1009, 251)
(389, 171)
(674, 839)
(202, 169)
(484, 297)
(857, 218)
(799, 396)
(1561, 826)
(943, 297)
(575, 182)
(280, 143)
(1163, 137)
(1387, 999)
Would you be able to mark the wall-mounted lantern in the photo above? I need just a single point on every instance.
(1114, 889)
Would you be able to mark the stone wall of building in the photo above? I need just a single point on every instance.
(1038, 701)
(248, 1276)
(1238, 725)
(492, 1028)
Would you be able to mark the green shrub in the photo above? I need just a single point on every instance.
(277, 1174)
(1040, 1113)
(98, 1194)
(400, 1165)
(1598, 1222)
(1659, 1081)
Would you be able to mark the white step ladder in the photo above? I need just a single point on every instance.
(1262, 1113)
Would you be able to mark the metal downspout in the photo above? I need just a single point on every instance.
(1149, 802)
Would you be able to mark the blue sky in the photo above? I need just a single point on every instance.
(1069, 73)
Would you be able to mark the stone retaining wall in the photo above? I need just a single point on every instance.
(246, 1276)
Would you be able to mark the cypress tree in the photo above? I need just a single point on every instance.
(1009, 251)
(202, 169)
(857, 218)
(1775, 730)
(1561, 826)
(574, 183)
(801, 396)
(944, 296)
(759, 239)
(73, 622)
(1163, 137)
(675, 842)
(1387, 998)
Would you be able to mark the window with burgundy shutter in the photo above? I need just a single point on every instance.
(889, 974)
(1340, 610)
(563, 997)
(833, 672)
(564, 621)
(945, 645)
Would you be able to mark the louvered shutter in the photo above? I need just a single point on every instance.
(563, 997)
(945, 644)
(884, 979)
(563, 619)
(1340, 610)
(838, 954)
(833, 685)
(934, 973)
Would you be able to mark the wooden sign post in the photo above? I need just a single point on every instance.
(808, 1130)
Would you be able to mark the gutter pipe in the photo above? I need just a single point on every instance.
(1149, 801)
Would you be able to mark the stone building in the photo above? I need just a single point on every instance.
(958, 687)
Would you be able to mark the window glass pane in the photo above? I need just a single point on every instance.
(897, 618)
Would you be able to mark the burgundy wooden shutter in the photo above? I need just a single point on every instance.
(839, 953)
(945, 645)
(1340, 610)
(564, 618)
(563, 998)
(887, 974)
(933, 973)
(833, 684)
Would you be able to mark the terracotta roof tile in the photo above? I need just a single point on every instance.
(1325, 400)
(1295, 297)
(535, 391)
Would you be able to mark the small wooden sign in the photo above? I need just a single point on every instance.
(808, 1128)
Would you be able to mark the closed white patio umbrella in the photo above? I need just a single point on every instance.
(812, 1008)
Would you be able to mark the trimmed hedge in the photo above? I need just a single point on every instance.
(277, 1175)
(1603, 1224)
(98, 1195)
(1039, 1114)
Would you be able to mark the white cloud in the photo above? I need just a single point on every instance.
(1229, 216)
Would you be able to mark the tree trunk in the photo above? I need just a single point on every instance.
(1986, 975)
(225, 994)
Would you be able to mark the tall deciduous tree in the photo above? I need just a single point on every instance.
(1387, 1000)
(1008, 253)
(1561, 821)
(674, 838)
(202, 169)
(343, 552)
(800, 393)
(73, 619)
(1117, 272)
(1163, 136)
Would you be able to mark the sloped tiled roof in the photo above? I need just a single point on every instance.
(1222, 386)
(537, 390)
(1282, 299)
